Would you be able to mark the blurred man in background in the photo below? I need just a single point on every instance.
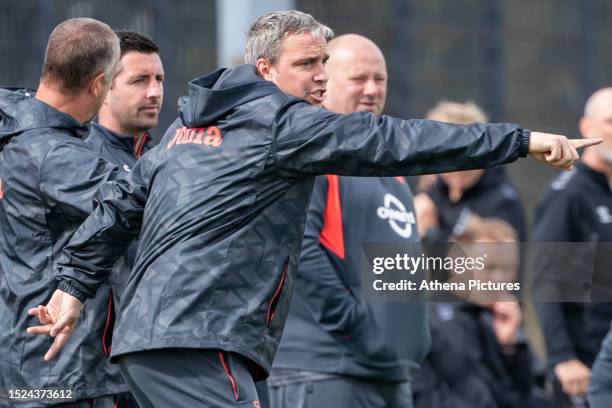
(336, 350)
(480, 357)
(577, 207)
(451, 197)
(48, 177)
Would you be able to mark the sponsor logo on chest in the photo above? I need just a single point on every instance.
(400, 220)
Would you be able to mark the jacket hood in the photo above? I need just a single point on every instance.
(212, 96)
(20, 111)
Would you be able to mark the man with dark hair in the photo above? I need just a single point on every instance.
(48, 177)
(133, 103)
(130, 109)
(120, 136)
(226, 194)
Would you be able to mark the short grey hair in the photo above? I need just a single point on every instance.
(266, 35)
(77, 51)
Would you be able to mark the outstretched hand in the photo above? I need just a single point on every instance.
(557, 150)
(58, 319)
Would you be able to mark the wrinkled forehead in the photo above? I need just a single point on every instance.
(303, 45)
(134, 62)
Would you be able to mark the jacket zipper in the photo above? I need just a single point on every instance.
(109, 307)
(229, 375)
(274, 299)
(139, 142)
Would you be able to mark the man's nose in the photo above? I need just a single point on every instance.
(371, 88)
(321, 74)
(155, 90)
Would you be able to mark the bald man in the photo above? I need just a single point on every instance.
(357, 76)
(337, 351)
(577, 207)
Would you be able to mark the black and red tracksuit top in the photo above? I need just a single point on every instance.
(220, 205)
(330, 327)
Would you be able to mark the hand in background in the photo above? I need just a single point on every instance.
(574, 376)
(507, 319)
(426, 213)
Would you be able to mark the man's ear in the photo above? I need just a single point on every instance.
(98, 85)
(585, 127)
(264, 68)
(106, 102)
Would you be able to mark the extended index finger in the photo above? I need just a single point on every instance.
(580, 143)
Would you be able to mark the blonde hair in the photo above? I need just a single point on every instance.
(487, 229)
(457, 112)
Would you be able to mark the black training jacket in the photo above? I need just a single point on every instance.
(222, 201)
(330, 328)
(577, 207)
(122, 151)
(468, 368)
(48, 177)
(494, 195)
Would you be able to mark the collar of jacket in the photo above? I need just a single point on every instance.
(20, 111)
(491, 178)
(135, 145)
(212, 96)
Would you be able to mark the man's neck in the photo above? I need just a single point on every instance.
(119, 130)
(595, 162)
(72, 105)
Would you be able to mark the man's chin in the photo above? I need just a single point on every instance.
(367, 108)
(145, 126)
(606, 155)
(313, 102)
(148, 120)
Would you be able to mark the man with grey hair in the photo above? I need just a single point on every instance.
(226, 193)
(290, 33)
(47, 180)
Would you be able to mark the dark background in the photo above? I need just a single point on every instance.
(525, 61)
